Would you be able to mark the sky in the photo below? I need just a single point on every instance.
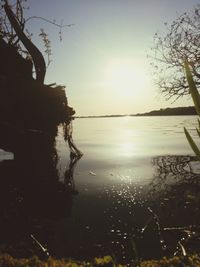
(102, 58)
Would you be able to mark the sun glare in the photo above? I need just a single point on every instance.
(125, 78)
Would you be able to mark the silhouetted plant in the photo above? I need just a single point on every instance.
(18, 88)
(13, 30)
(196, 99)
(181, 40)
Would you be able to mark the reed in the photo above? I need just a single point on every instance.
(196, 99)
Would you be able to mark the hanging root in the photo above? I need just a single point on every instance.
(68, 129)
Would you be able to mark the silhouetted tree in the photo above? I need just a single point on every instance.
(181, 41)
(13, 31)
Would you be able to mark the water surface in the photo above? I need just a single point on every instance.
(133, 169)
(134, 194)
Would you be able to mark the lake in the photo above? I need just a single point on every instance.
(122, 145)
(134, 194)
(137, 177)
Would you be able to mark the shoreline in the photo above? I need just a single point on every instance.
(178, 111)
(105, 261)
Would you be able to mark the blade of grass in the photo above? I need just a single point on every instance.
(193, 89)
(198, 132)
(192, 143)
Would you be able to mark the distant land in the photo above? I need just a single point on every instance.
(178, 111)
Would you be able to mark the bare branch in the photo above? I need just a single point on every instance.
(50, 21)
(182, 41)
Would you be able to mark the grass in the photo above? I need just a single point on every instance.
(106, 261)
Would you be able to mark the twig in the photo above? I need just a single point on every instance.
(156, 219)
(51, 22)
(182, 248)
(44, 250)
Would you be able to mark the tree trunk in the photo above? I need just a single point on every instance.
(37, 57)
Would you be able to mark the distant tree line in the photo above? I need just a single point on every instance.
(170, 112)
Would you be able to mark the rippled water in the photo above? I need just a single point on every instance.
(134, 194)
(125, 146)
(134, 170)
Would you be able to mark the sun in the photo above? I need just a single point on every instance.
(125, 78)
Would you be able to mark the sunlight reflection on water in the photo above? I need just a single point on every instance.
(5, 155)
(135, 172)
(116, 144)
(128, 164)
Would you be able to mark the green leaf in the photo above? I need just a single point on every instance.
(198, 131)
(199, 123)
(193, 89)
(192, 143)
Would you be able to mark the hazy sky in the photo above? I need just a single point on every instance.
(102, 59)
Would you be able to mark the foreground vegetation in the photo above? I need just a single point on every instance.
(184, 261)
